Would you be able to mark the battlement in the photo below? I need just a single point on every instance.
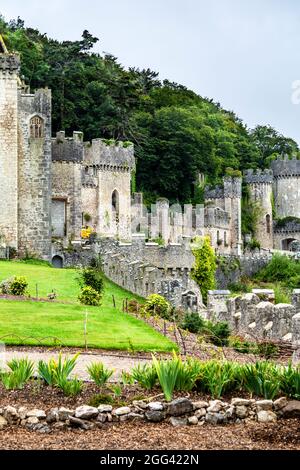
(214, 193)
(10, 63)
(258, 176)
(232, 188)
(285, 167)
(68, 149)
(106, 156)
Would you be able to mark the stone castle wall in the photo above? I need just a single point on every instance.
(9, 68)
(287, 187)
(147, 269)
(255, 316)
(260, 184)
(34, 171)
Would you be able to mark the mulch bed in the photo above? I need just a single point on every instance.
(283, 435)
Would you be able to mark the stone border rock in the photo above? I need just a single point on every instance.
(179, 412)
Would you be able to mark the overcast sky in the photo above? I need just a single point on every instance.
(243, 53)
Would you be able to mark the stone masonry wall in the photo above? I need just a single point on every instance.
(147, 269)
(66, 186)
(9, 68)
(34, 180)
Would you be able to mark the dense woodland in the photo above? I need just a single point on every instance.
(177, 133)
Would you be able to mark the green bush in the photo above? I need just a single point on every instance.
(193, 322)
(290, 381)
(189, 372)
(92, 278)
(218, 333)
(218, 378)
(283, 269)
(167, 372)
(70, 388)
(261, 379)
(266, 349)
(240, 345)
(14, 286)
(101, 399)
(21, 372)
(19, 285)
(99, 373)
(145, 375)
(205, 266)
(157, 305)
(54, 372)
(89, 296)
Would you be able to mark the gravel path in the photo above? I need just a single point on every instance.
(118, 363)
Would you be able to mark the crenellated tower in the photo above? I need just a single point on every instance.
(260, 184)
(287, 187)
(9, 69)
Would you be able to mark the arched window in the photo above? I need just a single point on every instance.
(268, 223)
(36, 127)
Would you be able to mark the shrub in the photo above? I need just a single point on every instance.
(282, 295)
(290, 381)
(145, 375)
(265, 349)
(134, 306)
(101, 399)
(5, 286)
(238, 287)
(19, 286)
(157, 305)
(89, 296)
(240, 345)
(54, 372)
(14, 286)
(218, 333)
(281, 269)
(261, 379)
(218, 378)
(188, 374)
(99, 373)
(92, 278)
(205, 266)
(167, 372)
(193, 322)
(70, 388)
(21, 372)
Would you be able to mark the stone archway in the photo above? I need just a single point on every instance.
(57, 262)
(287, 243)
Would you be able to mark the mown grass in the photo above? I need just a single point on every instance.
(35, 323)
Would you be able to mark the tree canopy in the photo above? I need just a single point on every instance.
(177, 133)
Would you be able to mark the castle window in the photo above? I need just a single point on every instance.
(268, 223)
(115, 204)
(225, 238)
(36, 127)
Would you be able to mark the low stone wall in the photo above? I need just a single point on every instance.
(179, 412)
(255, 315)
(148, 268)
(232, 268)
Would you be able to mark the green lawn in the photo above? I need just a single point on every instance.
(35, 323)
